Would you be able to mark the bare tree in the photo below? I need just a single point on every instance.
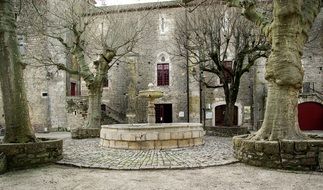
(287, 30)
(95, 38)
(222, 44)
(17, 120)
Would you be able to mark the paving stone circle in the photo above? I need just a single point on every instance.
(89, 154)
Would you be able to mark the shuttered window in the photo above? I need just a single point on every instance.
(163, 74)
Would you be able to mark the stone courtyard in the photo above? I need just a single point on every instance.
(211, 166)
(87, 153)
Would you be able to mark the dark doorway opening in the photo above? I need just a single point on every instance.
(73, 89)
(219, 115)
(164, 113)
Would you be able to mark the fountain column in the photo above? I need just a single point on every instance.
(151, 94)
(151, 116)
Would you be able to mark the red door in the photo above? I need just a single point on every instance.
(310, 116)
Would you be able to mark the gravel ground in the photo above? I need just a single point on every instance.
(231, 177)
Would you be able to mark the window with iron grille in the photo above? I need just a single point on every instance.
(163, 74)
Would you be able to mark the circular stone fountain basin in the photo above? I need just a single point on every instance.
(152, 136)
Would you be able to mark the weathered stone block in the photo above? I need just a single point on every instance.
(176, 135)
(169, 144)
(287, 156)
(140, 137)
(308, 162)
(164, 136)
(236, 141)
(134, 145)
(300, 146)
(310, 154)
(158, 144)
(195, 134)
(187, 135)
(198, 141)
(112, 143)
(105, 143)
(128, 137)
(191, 142)
(183, 143)
(271, 147)
(287, 146)
(145, 145)
(315, 143)
(151, 136)
(121, 144)
(248, 145)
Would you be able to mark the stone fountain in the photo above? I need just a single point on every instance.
(151, 94)
(152, 135)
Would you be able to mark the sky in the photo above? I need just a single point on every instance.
(124, 2)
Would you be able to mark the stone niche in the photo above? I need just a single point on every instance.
(158, 136)
(24, 155)
(285, 154)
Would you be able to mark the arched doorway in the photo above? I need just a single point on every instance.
(310, 116)
(219, 115)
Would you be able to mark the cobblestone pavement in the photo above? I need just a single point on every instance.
(88, 153)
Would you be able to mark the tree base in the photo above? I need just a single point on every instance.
(85, 133)
(26, 155)
(284, 154)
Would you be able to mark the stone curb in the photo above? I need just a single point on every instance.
(26, 155)
(304, 155)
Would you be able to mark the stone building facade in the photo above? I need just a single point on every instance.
(53, 108)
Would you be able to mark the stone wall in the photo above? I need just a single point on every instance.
(226, 131)
(286, 154)
(22, 155)
(84, 133)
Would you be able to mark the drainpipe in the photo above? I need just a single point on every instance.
(187, 69)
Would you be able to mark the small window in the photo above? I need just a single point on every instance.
(103, 108)
(162, 25)
(163, 74)
(21, 44)
(308, 87)
(44, 94)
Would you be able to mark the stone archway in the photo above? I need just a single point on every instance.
(310, 116)
(238, 106)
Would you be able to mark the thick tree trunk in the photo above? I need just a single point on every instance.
(229, 114)
(284, 73)
(94, 109)
(18, 125)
